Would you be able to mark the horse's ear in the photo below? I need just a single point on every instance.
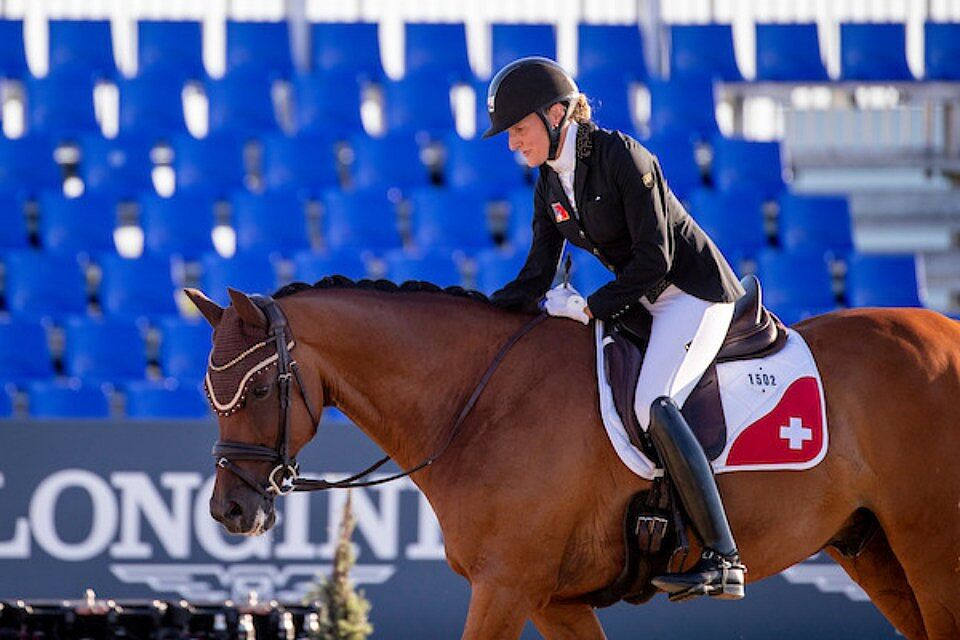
(246, 309)
(208, 308)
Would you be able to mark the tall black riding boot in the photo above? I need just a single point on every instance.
(719, 572)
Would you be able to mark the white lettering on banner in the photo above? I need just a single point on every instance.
(171, 525)
(429, 544)
(380, 530)
(212, 536)
(295, 532)
(19, 545)
(43, 507)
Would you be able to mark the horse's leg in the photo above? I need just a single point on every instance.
(880, 574)
(568, 621)
(496, 611)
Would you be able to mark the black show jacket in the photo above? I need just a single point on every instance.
(628, 218)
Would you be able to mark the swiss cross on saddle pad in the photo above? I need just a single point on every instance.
(774, 409)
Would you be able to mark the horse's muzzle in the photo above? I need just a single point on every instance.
(243, 512)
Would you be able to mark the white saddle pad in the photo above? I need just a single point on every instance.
(774, 410)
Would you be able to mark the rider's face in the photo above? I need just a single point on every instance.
(530, 138)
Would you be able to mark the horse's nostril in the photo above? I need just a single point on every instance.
(234, 511)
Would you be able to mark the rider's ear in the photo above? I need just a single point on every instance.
(246, 309)
(208, 308)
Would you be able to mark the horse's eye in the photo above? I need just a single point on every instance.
(261, 392)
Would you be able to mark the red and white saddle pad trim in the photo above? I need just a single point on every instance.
(774, 410)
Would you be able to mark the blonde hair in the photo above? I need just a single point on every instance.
(581, 110)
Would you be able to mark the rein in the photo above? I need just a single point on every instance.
(285, 478)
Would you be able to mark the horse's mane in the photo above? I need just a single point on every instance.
(410, 286)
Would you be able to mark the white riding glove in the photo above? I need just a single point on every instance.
(563, 301)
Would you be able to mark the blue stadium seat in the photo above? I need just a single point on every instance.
(438, 51)
(310, 266)
(347, 48)
(438, 268)
(165, 400)
(511, 41)
(327, 104)
(734, 221)
(360, 220)
(520, 226)
(305, 162)
(24, 351)
(882, 281)
(178, 225)
(682, 106)
(27, 166)
(118, 166)
(498, 266)
(609, 97)
(273, 221)
(213, 164)
(795, 285)
(448, 219)
(248, 272)
(135, 288)
(82, 45)
(103, 350)
(789, 52)
(941, 50)
(417, 104)
(487, 166)
(815, 223)
(703, 50)
(61, 105)
(184, 347)
(170, 48)
(71, 225)
(151, 106)
(745, 165)
(54, 399)
(13, 55)
(678, 162)
(385, 163)
(40, 284)
(587, 273)
(873, 51)
(610, 50)
(259, 48)
(13, 231)
(241, 103)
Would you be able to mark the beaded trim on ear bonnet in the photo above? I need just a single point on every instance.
(237, 357)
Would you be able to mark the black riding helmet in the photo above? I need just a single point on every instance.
(530, 85)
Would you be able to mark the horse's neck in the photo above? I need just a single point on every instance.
(399, 365)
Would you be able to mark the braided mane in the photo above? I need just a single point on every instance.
(411, 286)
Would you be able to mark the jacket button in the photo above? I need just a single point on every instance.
(583, 235)
(596, 252)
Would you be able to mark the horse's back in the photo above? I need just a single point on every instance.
(891, 382)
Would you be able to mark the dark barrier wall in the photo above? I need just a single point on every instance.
(122, 508)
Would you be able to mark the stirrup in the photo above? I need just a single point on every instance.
(715, 575)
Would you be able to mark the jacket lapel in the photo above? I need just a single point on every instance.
(584, 159)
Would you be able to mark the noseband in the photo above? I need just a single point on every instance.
(285, 471)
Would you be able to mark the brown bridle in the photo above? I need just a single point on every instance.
(285, 478)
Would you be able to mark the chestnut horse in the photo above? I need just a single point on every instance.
(531, 495)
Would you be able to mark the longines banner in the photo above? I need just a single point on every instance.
(122, 508)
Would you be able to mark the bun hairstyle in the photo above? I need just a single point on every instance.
(581, 110)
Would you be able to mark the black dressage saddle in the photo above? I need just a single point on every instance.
(754, 333)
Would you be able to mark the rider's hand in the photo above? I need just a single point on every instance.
(563, 301)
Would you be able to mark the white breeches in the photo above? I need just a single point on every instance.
(686, 335)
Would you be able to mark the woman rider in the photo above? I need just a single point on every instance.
(602, 191)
